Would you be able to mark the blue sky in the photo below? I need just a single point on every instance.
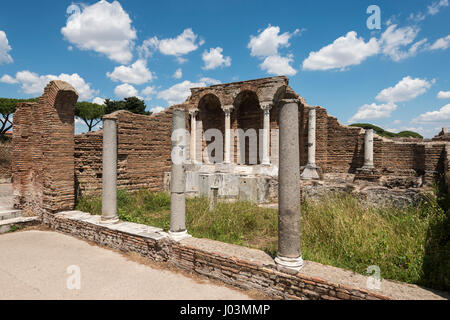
(396, 77)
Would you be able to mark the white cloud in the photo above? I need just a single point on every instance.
(268, 41)
(8, 79)
(374, 111)
(278, 65)
(394, 40)
(148, 91)
(443, 95)
(5, 57)
(178, 74)
(157, 109)
(102, 27)
(214, 59)
(183, 44)
(98, 100)
(442, 43)
(180, 92)
(125, 91)
(266, 45)
(436, 6)
(343, 52)
(440, 116)
(32, 83)
(407, 89)
(137, 73)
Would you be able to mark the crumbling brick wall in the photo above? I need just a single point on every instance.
(5, 160)
(144, 153)
(43, 150)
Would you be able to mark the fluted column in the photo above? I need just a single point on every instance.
(289, 250)
(193, 147)
(310, 171)
(227, 110)
(266, 107)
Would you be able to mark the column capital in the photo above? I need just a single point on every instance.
(228, 109)
(193, 112)
(267, 105)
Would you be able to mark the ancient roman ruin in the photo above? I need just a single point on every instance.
(254, 140)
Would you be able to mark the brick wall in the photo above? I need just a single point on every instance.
(5, 160)
(43, 150)
(144, 153)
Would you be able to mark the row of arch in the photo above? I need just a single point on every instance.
(246, 114)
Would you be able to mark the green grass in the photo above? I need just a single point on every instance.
(408, 244)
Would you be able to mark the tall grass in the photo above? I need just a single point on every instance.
(337, 231)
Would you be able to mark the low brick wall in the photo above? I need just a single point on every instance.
(237, 266)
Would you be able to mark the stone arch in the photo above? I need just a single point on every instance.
(210, 116)
(249, 119)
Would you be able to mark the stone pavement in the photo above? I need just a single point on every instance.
(34, 265)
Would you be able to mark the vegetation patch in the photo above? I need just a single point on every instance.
(408, 244)
(387, 134)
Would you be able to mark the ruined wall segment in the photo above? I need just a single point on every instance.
(144, 153)
(43, 150)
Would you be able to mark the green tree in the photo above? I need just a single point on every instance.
(7, 109)
(90, 113)
(132, 104)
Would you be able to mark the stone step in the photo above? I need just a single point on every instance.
(21, 222)
(10, 214)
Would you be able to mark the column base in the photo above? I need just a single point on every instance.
(310, 173)
(266, 163)
(290, 263)
(109, 221)
(178, 236)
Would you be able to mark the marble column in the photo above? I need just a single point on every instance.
(227, 156)
(266, 107)
(368, 150)
(109, 173)
(289, 250)
(193, 143)
(310, 171)
(178, 177)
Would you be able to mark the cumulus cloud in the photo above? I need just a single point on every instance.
(137, 73)
(5, 57)
(266, 46)
(442, 43)
(98, 100)
(125, 91)
(278, 65)
(269, 41)
(440, 116)
(148, 91)
(443, 95)
(102, 27)
(214, 59)
(394, 42)
(157, 109)
(8, 79)
(178, 74)
(33, 83)
(179, 92)
(405, 90)
(183, 44)
(374, 111)
(343, 52)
